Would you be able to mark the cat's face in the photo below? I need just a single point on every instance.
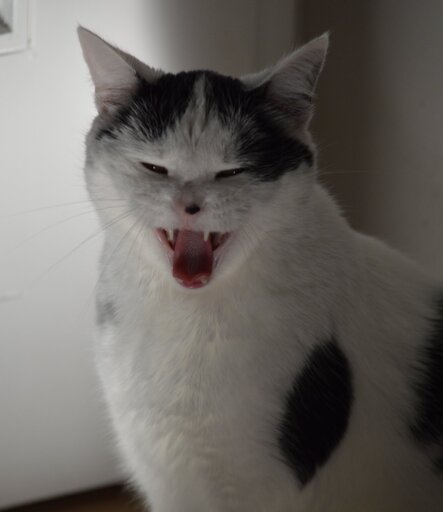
(200, 162)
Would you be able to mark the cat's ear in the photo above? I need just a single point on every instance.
(290, 84)
(115, 73)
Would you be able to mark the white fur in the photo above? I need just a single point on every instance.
(194, 379)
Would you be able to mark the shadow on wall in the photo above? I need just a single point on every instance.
(234, 38)
(343, 116)
(380, 118)
(193, 37)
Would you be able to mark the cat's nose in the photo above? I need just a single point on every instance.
(192, 209)
(188, 206)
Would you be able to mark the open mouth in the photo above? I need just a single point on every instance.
(193, 254)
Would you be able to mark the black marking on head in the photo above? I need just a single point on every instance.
(154, 107)
(105, 132)
(262, 145)
(261, 142)
(427, 427)
(317, 411)
(105, 312)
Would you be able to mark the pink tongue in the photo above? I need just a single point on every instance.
(192, 266)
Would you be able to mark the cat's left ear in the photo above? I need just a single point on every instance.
(290, 84)
(115, 73)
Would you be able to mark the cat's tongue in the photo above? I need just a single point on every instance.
(192, 264)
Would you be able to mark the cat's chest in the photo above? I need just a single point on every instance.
(201, 364)
(202, 391)
(187, 356)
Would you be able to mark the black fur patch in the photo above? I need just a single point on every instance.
(267, 151)
(317, 411)
(427, 427)
(261, 142)
(155, 107)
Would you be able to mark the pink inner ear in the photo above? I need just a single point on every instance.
(114, 78)
(107, 99)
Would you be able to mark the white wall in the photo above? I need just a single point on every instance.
(53, 433)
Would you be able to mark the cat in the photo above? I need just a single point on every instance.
(256, 353)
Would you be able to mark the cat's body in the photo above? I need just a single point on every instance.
(304, 377)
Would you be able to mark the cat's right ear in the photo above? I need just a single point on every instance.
(290, 84)
(115, 73)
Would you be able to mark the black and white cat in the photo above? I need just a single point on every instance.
(256, 353)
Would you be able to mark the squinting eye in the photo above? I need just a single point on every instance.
(155, 168)
(229, 173)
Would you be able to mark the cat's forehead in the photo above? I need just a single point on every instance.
(192, 117)
(201, 95)
(206, 93)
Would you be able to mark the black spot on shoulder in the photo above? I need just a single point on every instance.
(427, 427)
(317, 411)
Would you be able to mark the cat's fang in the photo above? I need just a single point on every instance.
(168, 238)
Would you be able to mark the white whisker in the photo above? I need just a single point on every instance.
(86, 240)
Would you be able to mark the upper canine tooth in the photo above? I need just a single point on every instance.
(170, 233)
(206, 235)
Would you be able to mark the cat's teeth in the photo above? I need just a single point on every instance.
(170, 233)
(206, 235)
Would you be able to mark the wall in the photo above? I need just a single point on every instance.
(379, 119)
(54, 436)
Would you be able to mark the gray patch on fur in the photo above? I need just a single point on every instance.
(106, 312)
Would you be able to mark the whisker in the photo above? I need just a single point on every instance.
(343, 171)
(60, 205)
(75, 249)
(105, 265)
(135, 240)
(55, 224)
(140, 251)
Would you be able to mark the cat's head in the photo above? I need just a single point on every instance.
(200, 167)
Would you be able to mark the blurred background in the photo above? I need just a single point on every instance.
(378, 124)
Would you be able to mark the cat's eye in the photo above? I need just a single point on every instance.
(158, 169)
(229, 173)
